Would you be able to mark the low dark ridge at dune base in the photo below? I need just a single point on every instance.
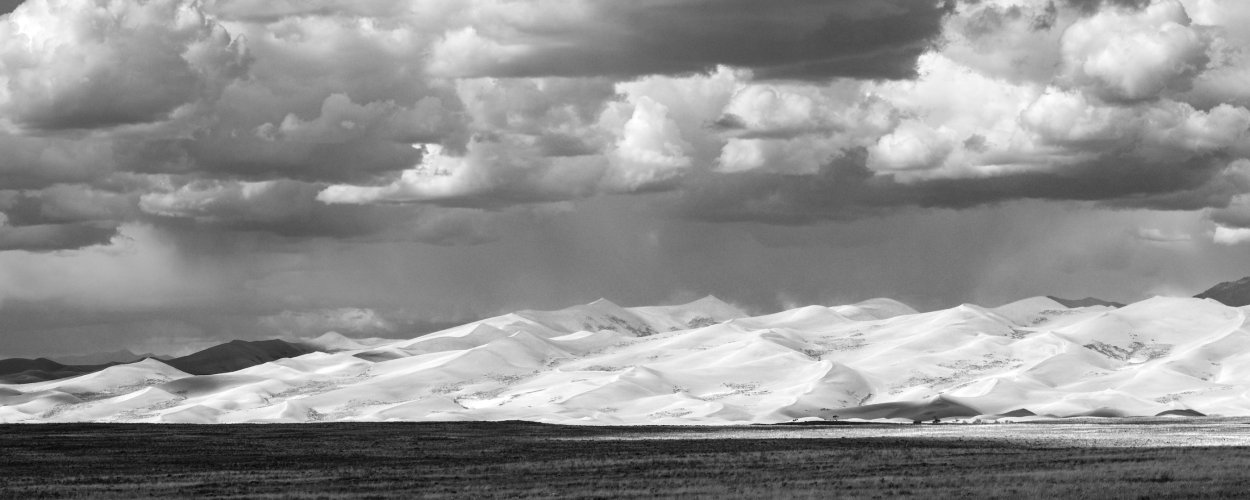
(523, 460)
(936, 408)
(1181, 413)
(1085, 302)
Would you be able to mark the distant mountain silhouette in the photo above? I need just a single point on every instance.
(1085, 302)
(25, 371)
(228, 357)
(1229, 293)
(100, 358)
(237, 355)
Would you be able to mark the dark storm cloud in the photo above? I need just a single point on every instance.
(267, 11)
(846, 189)
(290, 209)
(805, 39)
(7, 6)
(62, 217)
(1091, 6)
(31, 162)
(1235, 215)
(67, 203)
(257, 159)
(47, 237)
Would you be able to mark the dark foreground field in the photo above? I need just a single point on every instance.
(475, 460)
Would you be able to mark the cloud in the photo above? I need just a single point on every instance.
(137, 268)
(45, 237)
(31, 162)
(67, 203)
(1156, 235)
(60, 217)
(75, 64)
(846, 189)
(316, 119)
(1132, 55)
(963, 132)
(291, 209)
(7, 6)
(1231, 235)
(806, 39)
(275, 10)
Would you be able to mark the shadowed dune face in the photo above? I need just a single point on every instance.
(701, 363)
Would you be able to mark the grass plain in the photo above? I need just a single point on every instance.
(528, 460)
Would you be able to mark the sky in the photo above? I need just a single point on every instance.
(177, 173)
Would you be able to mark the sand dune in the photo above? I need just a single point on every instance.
(706, 362)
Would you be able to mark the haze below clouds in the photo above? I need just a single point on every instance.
(177, 173)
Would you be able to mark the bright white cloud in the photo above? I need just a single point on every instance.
(1231, 235)
(438, 176)
(1124, 54)
(650, 151)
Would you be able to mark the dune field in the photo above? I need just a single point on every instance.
(707, 362)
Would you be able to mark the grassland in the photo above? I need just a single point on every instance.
(525, 460)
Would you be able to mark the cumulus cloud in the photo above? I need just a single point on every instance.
(1134, 54)
(78, 64)
(1231, 235)
(300, 118)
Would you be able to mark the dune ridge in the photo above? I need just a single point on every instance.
(707, 362)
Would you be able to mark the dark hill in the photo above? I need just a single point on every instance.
(25, 371)
(1231, 293)
(1085, 302)
(237, 355)
(100, 358)
(228, 357)
(1181, 413)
